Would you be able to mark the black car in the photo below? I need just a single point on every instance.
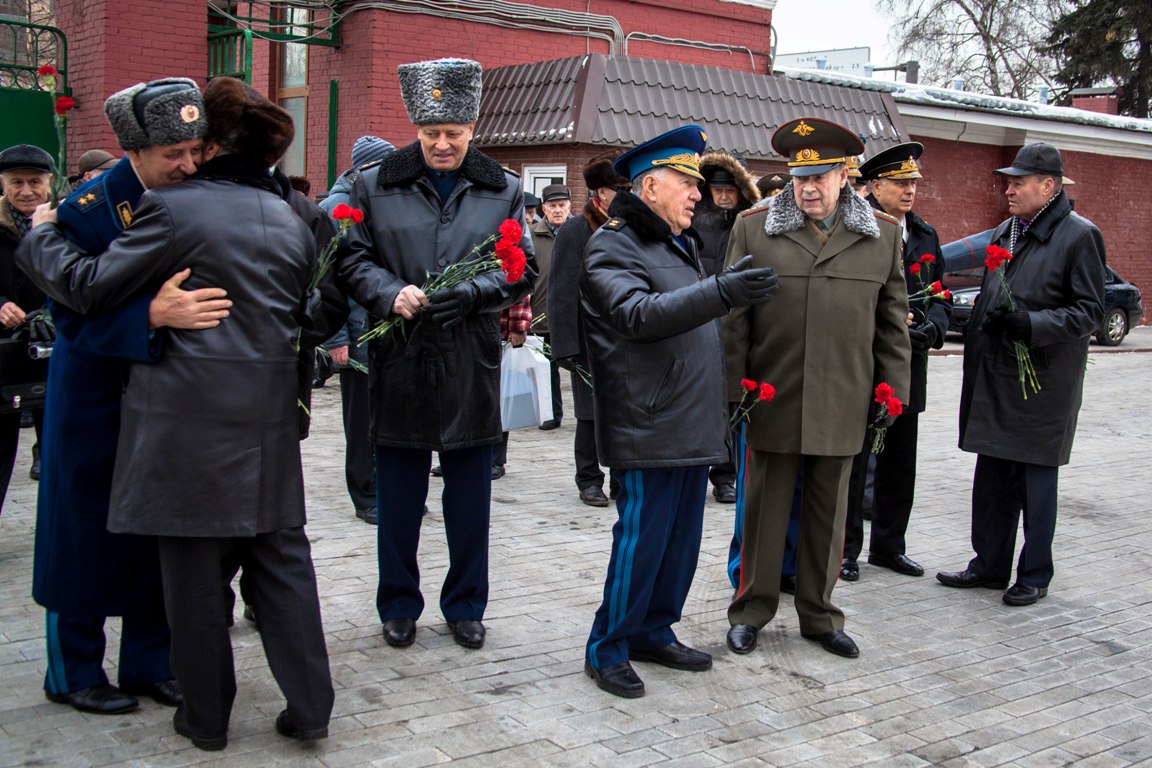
(964, 271)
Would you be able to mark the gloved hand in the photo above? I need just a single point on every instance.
(882, 417)
(1018, 327)
(742, 287)
(922, 336)
(449, 307)
(41, 329)
(993, 324)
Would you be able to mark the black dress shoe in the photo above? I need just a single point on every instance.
(742, 638)
(34, 472)
(618, 680)
(550, 424)
(206, 743)
(468, 633)
(103, 699)
(967, 580)
(849, 570)
(899, 563)
(437, 471)
(594, 496)
(285, 727)
(497, 471)
(725, 493)
(399, 633)
(367, 514)
(836, 642)
(1021, 594)
(788, 584)
(250, 615)
(166, 692)
(675, 655)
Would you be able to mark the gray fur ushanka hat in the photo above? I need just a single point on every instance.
(441, 91)
(156, 114)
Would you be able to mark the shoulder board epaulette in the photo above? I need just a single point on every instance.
(90, 200)
(615, 224)
(885, 217)
(760, 207)
(371, 164)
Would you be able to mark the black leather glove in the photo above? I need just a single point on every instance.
(1018, 327)
(41, 329)
(449, 307)
(993, 324)
(922, 336)
(881, 417)
(742, 287)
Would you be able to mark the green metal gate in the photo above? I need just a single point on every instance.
(27, 107)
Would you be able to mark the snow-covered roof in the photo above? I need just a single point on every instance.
(924, 95)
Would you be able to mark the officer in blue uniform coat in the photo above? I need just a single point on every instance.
(650, 317)
(83, 574)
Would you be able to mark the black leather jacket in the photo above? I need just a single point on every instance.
(651, 325)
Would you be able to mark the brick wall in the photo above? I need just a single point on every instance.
(113, 44)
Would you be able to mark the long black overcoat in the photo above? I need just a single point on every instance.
(1057, 276)
(432, 388)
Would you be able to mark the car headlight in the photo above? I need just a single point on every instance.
(964, 299)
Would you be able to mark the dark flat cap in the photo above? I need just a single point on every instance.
(26, 156)
(95, 160)
(555, 192)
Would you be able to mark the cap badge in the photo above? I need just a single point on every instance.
(909, 165)
(808, 154)
(803, 129)
(189, 113)
(436, 94)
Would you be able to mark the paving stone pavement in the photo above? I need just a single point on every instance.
(946, 677)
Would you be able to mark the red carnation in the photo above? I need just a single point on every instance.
(996, 257)
(511, 230)
(64, 104)
(884, 392)
(513, 264)
(894, 406)
(913, 269)
(342, 211)
(748, 385)
(936, 287)
(947, 295)
(767, 391)
(927, 258)
(47, 70)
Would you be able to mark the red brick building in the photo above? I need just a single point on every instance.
(344, 86)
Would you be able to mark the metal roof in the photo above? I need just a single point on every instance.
(621, 101)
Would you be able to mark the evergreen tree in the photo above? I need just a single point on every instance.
(1106, 42)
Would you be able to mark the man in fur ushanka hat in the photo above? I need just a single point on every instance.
(836, 328)
(436, 382)
(230, 487)
(160, 125)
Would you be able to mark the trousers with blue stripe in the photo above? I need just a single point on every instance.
(655, 546)
(737, 545)
(76, 651)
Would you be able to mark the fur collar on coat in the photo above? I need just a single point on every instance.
(594, 216)
(784, 215)
(405, 166)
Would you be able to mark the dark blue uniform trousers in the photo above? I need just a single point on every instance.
(1001, 490)
(655, 545)
(788, 568)
(76, 651)
(402, 490)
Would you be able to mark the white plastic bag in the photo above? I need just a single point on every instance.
(525, 387)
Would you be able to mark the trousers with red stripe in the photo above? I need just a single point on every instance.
(655, 546)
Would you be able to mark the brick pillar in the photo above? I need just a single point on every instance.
(113, 44)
